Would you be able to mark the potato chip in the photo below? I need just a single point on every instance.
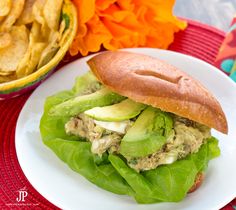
(62, 29)
(4, 79)
(45, 31)
(36, 31)
(36, 52)
(11, 56)
(52, 13)
(38, 15)
(7, 78)
(33, 54)
(5, 6)
(53, 37)
(47, 55)
(29, 62)
(50, 50)
(38, 11)
(39, 32)
(22, 66)
(5, 39)
(27, 14)
(15, 12)
(6, 73)
(1, 19)
(63, 37)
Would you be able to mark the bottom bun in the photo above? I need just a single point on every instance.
(198, 181)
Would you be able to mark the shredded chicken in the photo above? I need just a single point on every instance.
(101, 139)
(184, 140)
(85, 127)
(101, 145)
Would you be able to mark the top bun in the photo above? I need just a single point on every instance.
(154, 82)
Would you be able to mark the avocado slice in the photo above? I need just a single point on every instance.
(124, 110)
(74, 106)
(148, 134)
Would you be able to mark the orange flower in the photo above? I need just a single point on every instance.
(114, 24)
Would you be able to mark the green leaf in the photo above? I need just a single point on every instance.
(53, 126)
(80, 159)
(84, 82)
(167, 183)
(73, 151)
(133, 178)
(214, 150)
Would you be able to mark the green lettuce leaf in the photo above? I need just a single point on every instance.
(75, 151)
(169, 183)
(110, 172)
(97, 170)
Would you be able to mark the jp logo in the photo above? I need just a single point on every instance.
(22, 195)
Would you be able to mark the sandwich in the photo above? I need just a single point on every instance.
(135, 125)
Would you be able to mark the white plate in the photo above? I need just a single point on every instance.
(69, 190)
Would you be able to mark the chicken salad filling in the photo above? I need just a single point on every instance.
(186, 138)
(102, 139)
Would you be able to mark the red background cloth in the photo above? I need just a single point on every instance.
(198, 40)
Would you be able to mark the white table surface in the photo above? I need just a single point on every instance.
(217, 13)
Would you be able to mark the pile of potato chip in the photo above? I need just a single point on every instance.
(30, 35)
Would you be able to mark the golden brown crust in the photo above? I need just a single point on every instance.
(151, 81)
(197, 183)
